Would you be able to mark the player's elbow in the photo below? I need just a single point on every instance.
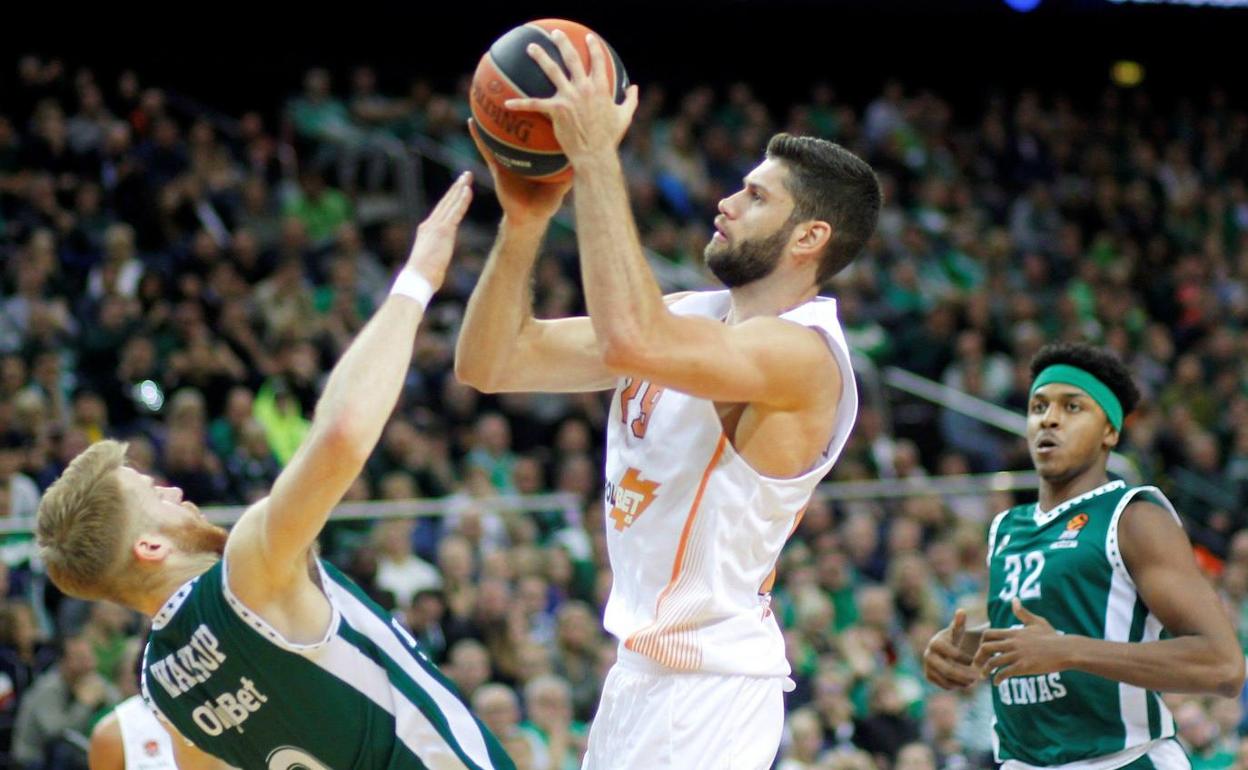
(621, 358)
(497, 376)
(634, 344)
(626, 351)
(343, 440)
(1223, 671)
(1230, 676)
(492, 368)
(475, 374)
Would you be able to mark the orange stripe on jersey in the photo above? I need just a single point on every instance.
(671, 641)
(767, 585)
(693, 514)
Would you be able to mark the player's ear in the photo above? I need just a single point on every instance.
(812, 237)
(1110, 438)
(152, 548)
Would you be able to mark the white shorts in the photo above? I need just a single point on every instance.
(658, 720)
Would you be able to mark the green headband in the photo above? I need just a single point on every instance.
(1085, 381)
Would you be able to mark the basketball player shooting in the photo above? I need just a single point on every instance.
(261, 654)
(729, 408)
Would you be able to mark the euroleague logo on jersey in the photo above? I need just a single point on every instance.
(1073, 528)
(629, 498)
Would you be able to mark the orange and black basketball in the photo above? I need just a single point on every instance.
(524, 142)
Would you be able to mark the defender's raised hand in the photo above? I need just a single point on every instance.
(435, 237)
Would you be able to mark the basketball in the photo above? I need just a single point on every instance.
(524, 142)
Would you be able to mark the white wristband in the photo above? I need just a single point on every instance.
(414, 286)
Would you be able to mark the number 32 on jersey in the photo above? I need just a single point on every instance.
(1022, 575)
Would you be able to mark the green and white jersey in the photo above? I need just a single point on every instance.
(364, 697)
(1066, 567)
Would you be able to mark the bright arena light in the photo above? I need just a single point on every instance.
(1126, 74)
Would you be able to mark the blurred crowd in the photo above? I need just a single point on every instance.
(184, 279)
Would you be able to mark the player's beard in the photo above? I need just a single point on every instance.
(748, 260)
(198, 536)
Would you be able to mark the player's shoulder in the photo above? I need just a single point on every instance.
(108, 727)
(817, 311)
(1146, 493)
(817, 320)
(677, 296)
(998, 519)
(1148, 521)
(1151, 510)
(711, 304)
(1146, 501)
(1011, 519)
(249, 575)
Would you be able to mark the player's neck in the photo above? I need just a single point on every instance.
(767, 297)
(1054, 492)
(173, 577)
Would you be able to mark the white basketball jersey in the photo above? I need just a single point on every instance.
(693, 531)
(146, 743)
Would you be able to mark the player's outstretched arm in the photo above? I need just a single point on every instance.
(1204, 656)
(501, 346)
(268, 547)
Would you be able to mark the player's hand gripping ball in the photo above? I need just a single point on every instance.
(524, 142)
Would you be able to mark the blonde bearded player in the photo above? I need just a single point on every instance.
(262, 654)
(729, 408)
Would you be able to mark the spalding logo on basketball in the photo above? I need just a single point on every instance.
(524, 142)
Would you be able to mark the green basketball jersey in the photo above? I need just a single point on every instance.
(362, 697)
(1065, 566)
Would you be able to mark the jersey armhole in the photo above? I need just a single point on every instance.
(992, 535)
(150, 703)
(262, 626)
(846, 407)
(1112, 550)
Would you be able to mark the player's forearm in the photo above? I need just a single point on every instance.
(364, 385)
(500, 307)
(624, 300)
(1193, 664)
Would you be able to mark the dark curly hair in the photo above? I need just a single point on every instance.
(1100, 363)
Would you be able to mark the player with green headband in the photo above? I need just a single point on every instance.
(1095, 602)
